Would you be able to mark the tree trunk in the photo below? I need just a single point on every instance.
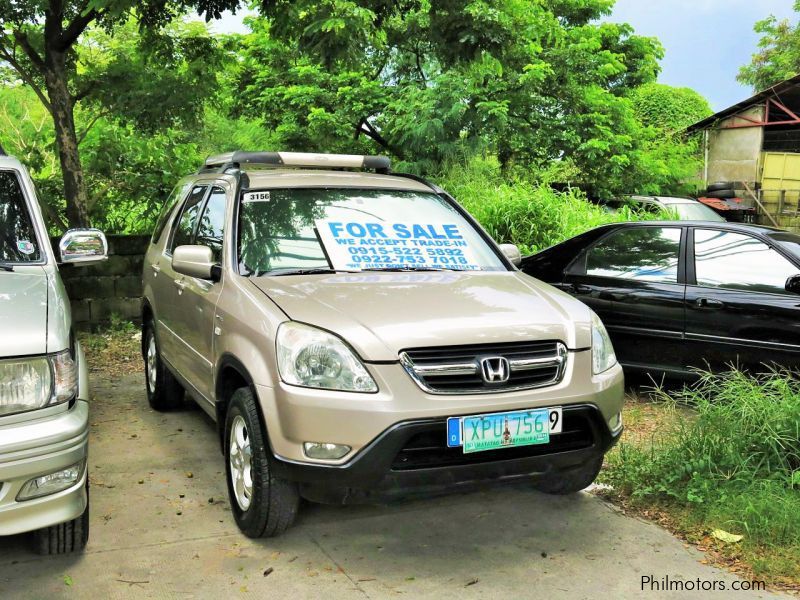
(55, 77)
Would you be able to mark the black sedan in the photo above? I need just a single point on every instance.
(681, 294)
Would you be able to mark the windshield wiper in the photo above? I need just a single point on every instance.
(314, 271)
(6, 267)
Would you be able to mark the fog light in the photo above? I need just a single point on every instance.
(615, 423)
(52, 482)
(326, 451)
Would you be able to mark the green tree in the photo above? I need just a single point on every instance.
(38, 41)
(778, 54)
(532, 82)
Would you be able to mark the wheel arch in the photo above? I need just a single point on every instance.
(231, 375)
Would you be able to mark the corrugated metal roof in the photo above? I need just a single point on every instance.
(777, 89)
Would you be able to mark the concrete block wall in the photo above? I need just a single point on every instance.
(114, 287)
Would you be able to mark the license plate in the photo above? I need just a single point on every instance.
(503, 430)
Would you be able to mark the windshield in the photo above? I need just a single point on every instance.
(693, 211)
(356, 229)
(789, 241)
(18, 242)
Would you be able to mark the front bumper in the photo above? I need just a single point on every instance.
(294, 415)
(412, 458)
(36, 447)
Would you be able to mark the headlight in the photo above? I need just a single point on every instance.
(603, 357)
(31, 383)
(311, 357)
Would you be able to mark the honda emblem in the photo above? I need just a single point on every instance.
(495, 369)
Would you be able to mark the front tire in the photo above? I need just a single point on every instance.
(64, 538)
(570, 481)
(262, 504)
(163, 390)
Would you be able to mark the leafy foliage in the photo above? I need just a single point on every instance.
(778, 55)
(522, 212)
(735, 466)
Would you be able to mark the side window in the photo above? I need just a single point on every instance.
(178, 192)
(733, 260)
(212, 224)
(640, 253)
(183, 231)
(18, 241)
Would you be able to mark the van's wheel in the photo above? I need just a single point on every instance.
(64, 537)
(262, 504)
(163, 390)
(570, 481)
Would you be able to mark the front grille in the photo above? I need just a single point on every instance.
(429, 450)
(460, 369)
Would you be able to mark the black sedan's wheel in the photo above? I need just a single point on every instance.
(163, 390)
(570, 481)
(262, 504)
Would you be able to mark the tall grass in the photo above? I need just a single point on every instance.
(524, 212)
(736, 466)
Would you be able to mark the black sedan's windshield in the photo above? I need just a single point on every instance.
(18, 243)
(303, 231)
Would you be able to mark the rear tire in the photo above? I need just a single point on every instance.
(721, 194)
(262, 504)
(163, 390)
(64, 538)
(719, 186)
(570, 481)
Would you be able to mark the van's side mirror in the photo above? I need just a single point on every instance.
(512, 253)
(195, 261)
(793, 284)
(83, 247)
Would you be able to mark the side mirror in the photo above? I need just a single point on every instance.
(512, 253)
(195, 261)
(793, 284)
(83, 246)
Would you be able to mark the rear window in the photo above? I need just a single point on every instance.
(18, 243)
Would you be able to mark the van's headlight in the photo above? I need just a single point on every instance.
(36, 382)
(603, 357)
(311, 357)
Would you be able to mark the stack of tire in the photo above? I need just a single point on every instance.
(722, 190)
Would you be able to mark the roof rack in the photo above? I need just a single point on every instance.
(234, 160)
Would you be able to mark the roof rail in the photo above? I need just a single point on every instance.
(223, 162)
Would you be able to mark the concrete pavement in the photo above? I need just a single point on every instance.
(162, 528)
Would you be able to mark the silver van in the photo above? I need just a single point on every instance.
(44, 391)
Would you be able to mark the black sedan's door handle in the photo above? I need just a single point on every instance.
(607, 295)
(579, 288)
(708, 303)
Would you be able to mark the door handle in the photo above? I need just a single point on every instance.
(606, 295)
(579, 288)
(709, 303)
(156, 268)
(180, 284)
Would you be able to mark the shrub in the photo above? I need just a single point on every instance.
(735, 466)
(520, 211)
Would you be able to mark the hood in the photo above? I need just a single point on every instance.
(23, 311)
(381, 314)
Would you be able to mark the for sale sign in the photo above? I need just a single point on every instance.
(371, 244)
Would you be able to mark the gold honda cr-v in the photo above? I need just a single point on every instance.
(357, 336)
